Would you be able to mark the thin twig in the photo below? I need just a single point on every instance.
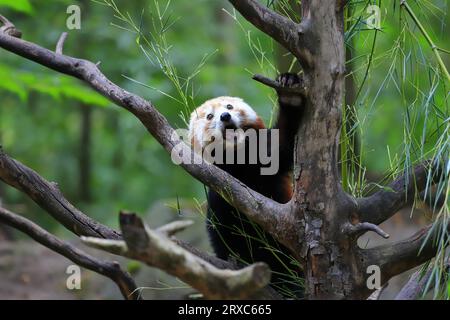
(174, 227)
(60, 43)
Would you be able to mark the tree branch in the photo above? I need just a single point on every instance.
(362, 227)
(47, 195)
(108, 269)
(385, 203)
(157, 250)
(60, 43)
(271, 216)
(280, 28)
(398, 257)
(174, 227)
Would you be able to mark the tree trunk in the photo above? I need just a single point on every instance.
(330, 258)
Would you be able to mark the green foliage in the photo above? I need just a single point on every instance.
(18, 5)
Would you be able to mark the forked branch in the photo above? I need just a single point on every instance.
(155, 249)
(47, 195)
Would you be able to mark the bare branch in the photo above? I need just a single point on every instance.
(174, 227)
(282, 29)
(360, 228)
(385, 203)
(49, 198)
(273, 217)
(108, 269)
(60, 44)
(157, 250)
(398, 257)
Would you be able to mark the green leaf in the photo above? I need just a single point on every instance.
(18, 5)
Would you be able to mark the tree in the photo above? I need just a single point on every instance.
(320, 225)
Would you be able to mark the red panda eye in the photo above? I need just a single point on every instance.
(209, 116)
(229, 107)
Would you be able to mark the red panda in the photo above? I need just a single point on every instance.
(231, 234)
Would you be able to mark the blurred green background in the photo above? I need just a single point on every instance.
(103, 158)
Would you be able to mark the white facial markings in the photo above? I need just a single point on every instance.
(202, 129)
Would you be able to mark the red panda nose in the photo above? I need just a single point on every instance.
(225, 117)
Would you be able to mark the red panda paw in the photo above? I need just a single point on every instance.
(289, 98)
(288, 80)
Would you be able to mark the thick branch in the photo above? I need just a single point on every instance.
(157, 250)
(270, 215)
(385, 203)
(396, 258)
(111, 270)
(280, 28)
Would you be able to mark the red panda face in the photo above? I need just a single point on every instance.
(218, 117)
